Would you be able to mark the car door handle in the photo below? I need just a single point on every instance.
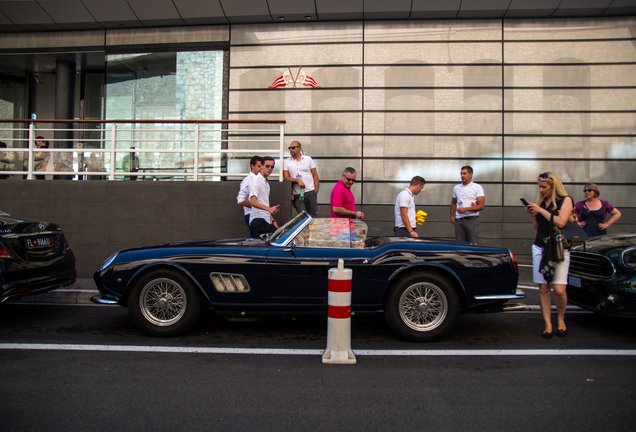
(358, 260)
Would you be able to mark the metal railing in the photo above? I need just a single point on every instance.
(113, 149)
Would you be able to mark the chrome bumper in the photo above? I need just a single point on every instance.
(517, 296)
(104, 299)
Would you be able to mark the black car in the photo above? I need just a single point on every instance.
(421, 285)
(602, 275)
(35, 257)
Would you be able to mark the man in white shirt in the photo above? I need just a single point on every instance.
(262, 215)
(405, 224)
(468, 200)
(300, 169)
(243, 197)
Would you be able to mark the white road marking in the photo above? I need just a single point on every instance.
(316, 352)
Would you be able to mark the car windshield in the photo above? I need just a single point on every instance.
(304, 230)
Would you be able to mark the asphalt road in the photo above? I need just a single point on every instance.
(82, 367)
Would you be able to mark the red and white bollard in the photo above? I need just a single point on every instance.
(338, 349)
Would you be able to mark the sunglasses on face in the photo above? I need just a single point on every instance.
(587, 190)
(352, 180)
(292, 147)
(268, 166)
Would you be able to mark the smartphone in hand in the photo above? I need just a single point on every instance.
(525, 203)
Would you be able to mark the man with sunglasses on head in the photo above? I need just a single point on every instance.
(243, 198)
(300, 169)
(262, 215)
(468, 200)
(343, 204)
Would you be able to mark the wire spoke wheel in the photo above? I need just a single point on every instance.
(423, 306)
(163, 302)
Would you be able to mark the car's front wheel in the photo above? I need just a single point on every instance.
(421, 307)
(164, 303)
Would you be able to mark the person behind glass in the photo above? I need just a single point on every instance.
(468, 200)
(593, 211)
(343, 203)
(300, 169)
(551, 200)
(40, 158)
(262, 215)
(5, 162)
(405, 218)
(243, 197)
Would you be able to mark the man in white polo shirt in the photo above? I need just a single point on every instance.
(300, 169)
(468, 200)
(243, 197)
(405, 223)
(262, 215)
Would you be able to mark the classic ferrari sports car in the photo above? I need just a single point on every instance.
(420, 285)
(34, 257)
(602, 275)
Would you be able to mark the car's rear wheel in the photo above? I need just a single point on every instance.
(422, 307)
(164, 303)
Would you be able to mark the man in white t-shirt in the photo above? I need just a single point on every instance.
(243, 197)
(262, 215)
(300, 169)
(405, 223)
(468, 200)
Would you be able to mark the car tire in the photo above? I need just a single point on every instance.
(421, 307)
(164, 303)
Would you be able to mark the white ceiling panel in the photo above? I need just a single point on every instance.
(112, 13)
(572, 8)
(621, 7)
(435, 9)
(201, 11)
(483, 8)
(292, 10)
(383, 9)
(156, 13)
(535, 8)
(28, 15)
(245, 11)
(340, 9)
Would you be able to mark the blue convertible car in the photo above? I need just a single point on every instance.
(420, 285)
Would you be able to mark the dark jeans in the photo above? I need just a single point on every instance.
(247, 222)
(260, 226)
(402, 232)
(310, 204)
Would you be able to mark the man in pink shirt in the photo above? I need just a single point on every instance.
(343, 204)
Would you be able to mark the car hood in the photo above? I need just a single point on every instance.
(605, 244)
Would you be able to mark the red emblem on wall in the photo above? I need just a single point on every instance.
(288, 78)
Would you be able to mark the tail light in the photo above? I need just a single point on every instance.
(514, 260)
(4, 253)
(66, 244)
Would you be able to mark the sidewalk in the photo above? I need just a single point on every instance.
(84, 288)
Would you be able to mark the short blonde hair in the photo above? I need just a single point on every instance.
(558, 190)
(594, 187)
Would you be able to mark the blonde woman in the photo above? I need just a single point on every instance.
(593, 211)
(551, 200)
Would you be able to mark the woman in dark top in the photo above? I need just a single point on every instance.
(593, 211)
(552, 200)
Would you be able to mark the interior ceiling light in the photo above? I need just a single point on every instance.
(281, 18)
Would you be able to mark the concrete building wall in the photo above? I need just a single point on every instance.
(102, 217)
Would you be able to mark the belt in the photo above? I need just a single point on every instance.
(468, 217)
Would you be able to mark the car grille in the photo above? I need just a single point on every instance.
(591, 264)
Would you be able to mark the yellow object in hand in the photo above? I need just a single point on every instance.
(420, 216)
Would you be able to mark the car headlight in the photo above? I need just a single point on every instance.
(628, 258)
(108, 262)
